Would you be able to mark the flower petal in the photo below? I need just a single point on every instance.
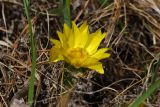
(55, 54)
(62, 38)
(66, 30)
(98, 68)
(55, 42)
(94, 41)
(84, 30)
(79, 36)
(76, 34)
(73, 37)
(90, 61)
(84, 26)
(100, 54)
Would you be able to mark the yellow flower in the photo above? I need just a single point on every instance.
(80, 48)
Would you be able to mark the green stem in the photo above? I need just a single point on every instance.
(66, 11)
(33, 54)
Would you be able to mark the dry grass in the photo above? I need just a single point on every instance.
(133, 36)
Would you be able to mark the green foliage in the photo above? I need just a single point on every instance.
(120, 25)
(33, 53)
(70, 75)
(68, 79)
(63, 10)
(154, 68)
(66, 11)
(140, 99)
(103, 3)
(155, 84)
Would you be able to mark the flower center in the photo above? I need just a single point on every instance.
(76, 56)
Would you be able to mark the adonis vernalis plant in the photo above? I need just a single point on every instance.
(79, 47)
